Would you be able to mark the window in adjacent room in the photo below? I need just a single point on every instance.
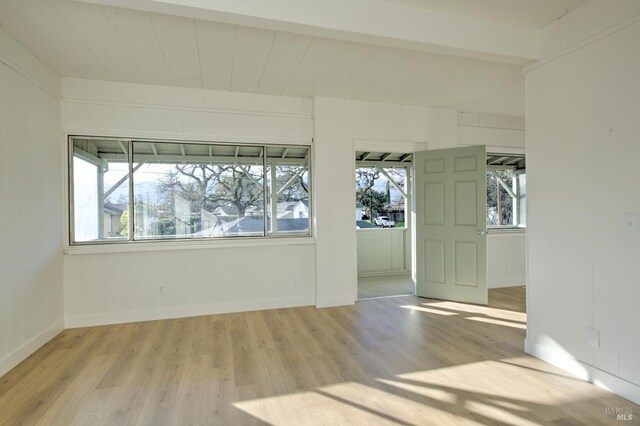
(506, 191)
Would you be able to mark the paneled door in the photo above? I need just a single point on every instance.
(451, 225)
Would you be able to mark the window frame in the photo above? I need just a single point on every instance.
(229, 239)
(497, 229)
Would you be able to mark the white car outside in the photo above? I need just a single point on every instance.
(385, 222)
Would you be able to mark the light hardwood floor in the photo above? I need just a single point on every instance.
(384, 285)
(401, 360)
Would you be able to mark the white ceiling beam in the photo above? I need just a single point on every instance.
(393, 182)
(365, 21)
(503, 184)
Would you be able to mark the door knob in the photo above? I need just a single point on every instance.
(481, 232)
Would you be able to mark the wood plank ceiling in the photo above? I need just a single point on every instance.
(91, 41)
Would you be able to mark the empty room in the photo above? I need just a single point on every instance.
(286, 212)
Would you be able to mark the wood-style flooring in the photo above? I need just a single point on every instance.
(401, 360)
(384, 285)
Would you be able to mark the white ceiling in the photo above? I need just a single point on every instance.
(91, 41)
(522, 13)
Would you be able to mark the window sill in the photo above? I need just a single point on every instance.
(148, 246)
(380, 229)
(507, 230)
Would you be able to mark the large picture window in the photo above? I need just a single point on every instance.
(141, 190)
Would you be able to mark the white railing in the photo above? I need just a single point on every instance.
(383, 251)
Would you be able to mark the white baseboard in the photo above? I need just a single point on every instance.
(515, 282)
(75, 321)
(584, 371)
(331, 301)
(382, 274)
(23, 352)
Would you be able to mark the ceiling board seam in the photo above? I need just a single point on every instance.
(264, 67)
(391, 89)
(124, 49)
(327, 69)
(164, 56)
(394, 67)
(356, 71)
(298, 65)
(80, 38)
(195, 29)
(235, 54)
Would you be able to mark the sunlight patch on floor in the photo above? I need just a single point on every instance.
(431, 311)
(499, 322)
(352, 402)
(476, 309)
(505, 391)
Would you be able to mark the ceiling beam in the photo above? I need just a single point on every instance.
(364, 21)
(201, 159)
(393, 182)
(124, 150)
(496, 160)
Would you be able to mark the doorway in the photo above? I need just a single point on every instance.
(383, 224)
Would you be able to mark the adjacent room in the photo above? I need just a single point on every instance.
(179, 186)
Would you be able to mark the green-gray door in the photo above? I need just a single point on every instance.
(451, 224)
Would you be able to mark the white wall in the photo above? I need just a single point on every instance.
(104, 286)
(340, 125)
(499, 133)
(31, 204)
(583, 114)
(506, 259)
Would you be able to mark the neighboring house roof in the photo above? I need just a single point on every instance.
(250, 225)
(114, 209)
(292, 225)
(290, 205)
(229, 209)
(286, 206)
